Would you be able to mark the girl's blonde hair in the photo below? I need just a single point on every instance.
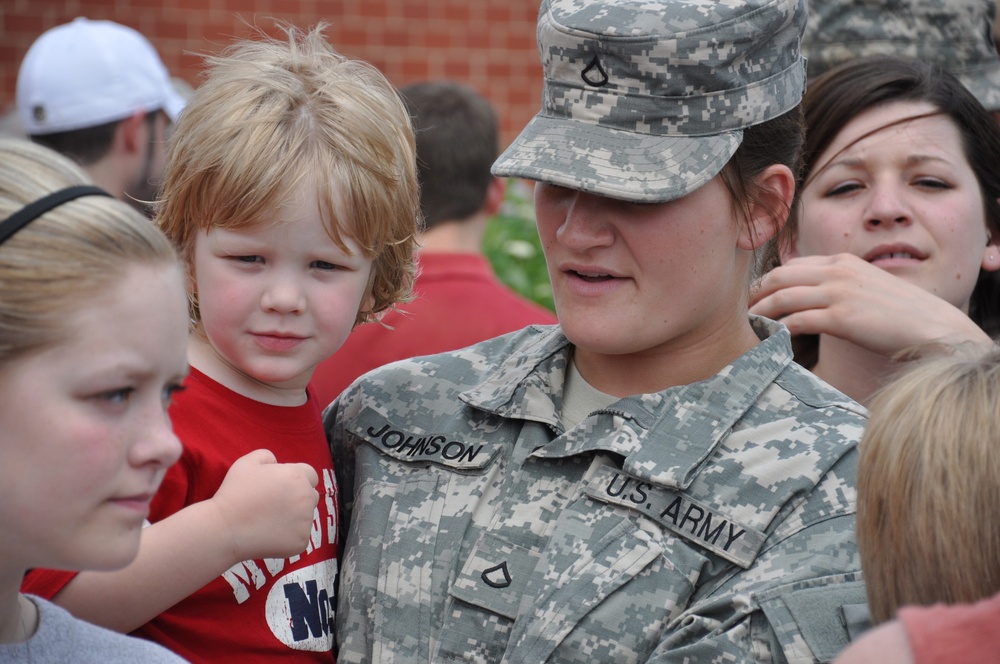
(56, 264)
(929, 486)
(274, 116)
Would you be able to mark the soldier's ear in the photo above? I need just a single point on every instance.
(768, 212)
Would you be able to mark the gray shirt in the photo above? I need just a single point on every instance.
(61, 638)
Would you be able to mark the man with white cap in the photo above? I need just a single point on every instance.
(653, 479)
(98, 92)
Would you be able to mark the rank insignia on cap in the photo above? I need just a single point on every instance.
(594, 74)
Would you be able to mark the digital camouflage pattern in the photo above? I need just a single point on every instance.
(711, 522)
(646, 101)
(956, 34)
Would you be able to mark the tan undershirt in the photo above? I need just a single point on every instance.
(580, 398)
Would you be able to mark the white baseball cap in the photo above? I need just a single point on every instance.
(87, 73)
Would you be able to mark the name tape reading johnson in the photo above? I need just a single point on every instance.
(678, 513)
(442, 449)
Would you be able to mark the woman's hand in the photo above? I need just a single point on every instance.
(847, 297)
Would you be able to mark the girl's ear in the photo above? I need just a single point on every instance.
(991, 255)
(768, 214)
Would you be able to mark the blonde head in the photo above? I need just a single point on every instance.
(56, 264)
(273, 116)
(929, 486)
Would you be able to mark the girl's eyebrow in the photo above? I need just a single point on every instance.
(911, 160)
(916, 159)
(847, 162)
(817, 170)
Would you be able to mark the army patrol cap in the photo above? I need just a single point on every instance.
(646, 100)
(955, 34)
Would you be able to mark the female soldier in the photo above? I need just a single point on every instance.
(653, 479)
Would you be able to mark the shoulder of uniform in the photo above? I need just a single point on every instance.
(816, 393)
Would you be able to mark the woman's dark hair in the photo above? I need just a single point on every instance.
(844, 92)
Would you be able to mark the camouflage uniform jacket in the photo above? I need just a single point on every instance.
(711, 522)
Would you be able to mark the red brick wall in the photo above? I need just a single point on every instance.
(487, 44)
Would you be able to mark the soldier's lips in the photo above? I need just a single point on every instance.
(592, 282)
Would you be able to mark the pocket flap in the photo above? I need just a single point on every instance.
(814, 615)
(495, 575)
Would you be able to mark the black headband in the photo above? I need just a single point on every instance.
(32, 211)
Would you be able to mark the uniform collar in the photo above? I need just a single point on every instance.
(663, 437)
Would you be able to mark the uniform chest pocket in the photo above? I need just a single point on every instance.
(484, 600)
(510, 604)
(495, 575)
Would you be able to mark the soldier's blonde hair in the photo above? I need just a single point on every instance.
(55, 265)
(274, 116)
(929, 486)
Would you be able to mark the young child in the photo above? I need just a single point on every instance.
(928, 496)
(92, 348)
(291, 194)
(928, 508)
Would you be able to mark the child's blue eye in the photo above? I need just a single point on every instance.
(249, 259)
(323, 265)
(117, 396)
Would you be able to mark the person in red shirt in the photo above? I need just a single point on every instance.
(965, 633)
(459, 300)
(291, 194)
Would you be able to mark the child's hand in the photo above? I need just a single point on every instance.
(267, 506)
